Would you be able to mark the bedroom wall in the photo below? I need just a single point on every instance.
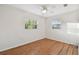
(12, 27)
(61, 34)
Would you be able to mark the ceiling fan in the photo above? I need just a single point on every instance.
(44, 9)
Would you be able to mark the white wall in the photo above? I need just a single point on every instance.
(61, 34)
(12, 30)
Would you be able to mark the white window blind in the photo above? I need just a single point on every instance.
(73, 28)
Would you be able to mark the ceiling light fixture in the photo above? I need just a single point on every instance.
(65, 5)
(44, 9)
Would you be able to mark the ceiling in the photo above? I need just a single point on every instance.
(53, 9)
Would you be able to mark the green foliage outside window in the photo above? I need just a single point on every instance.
(31, 24)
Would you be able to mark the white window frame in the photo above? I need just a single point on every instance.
(73, 28)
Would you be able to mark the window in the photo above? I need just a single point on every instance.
(31, 24)
(73, 28)
(56, 24)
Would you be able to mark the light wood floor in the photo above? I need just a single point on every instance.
(43, 47)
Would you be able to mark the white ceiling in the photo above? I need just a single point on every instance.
(53, 9)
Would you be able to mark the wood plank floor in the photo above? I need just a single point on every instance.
(43, 47)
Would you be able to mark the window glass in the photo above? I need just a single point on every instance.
(73, 28)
